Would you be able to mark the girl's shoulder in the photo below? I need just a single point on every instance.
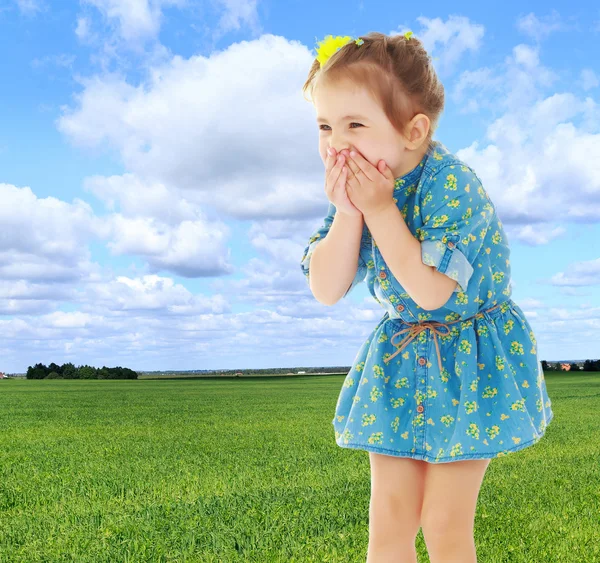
(439, 159)
(445, 174)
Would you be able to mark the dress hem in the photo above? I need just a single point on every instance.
(433, 459)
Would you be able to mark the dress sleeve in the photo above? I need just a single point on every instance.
(456, 212)
(319, 235)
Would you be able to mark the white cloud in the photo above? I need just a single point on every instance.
(237, 13)
(516, 83)
(237, 140)
(42, 238)
(584, 273)
(136, 19)
(190, 249)
(30, 7)
(447, 41)
(83, 29)
(589, 79)
(539, 28)
(63, 60)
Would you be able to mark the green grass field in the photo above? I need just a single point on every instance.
(248, 470)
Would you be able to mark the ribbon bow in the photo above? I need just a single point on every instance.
(331, 45)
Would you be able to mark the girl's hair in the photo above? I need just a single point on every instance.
(395, 70)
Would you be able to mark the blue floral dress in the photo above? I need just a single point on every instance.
(469, 388)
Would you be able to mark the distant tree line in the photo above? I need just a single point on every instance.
(69, 371)
(588, 365)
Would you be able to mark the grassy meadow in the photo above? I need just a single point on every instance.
(240, 469)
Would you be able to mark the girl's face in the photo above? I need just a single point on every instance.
(367, 130)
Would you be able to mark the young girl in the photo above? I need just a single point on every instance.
(449, 378)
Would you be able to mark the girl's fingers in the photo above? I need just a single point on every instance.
(336, 169)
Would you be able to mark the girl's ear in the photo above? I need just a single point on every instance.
(418, 129)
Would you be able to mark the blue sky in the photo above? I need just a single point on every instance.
(159, 174)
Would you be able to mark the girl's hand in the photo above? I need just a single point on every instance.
(335, 185)
(370, 188)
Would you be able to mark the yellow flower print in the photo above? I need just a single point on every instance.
(447, 420)
(375, 438)
(518, 405)
(451, 182)
(493, 431)
(347, 436)
(400, 383)
(470, 406)
(445, 376)
(456, 450)
(498, 277)
(473, 431)
(508, 326)
(482, 330)
(368, 419)
(349, 382)
(375, 393)
(397, 402)
(516, 348)
(499, 363)
(465, 346)
(489, 392)
(439, 221)
(378, 371)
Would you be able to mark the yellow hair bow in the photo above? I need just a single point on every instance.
(331, 44)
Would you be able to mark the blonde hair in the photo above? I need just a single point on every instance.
(395, 70)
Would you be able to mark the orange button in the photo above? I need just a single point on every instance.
(451, 245)
(382, 275)
(420, 408)
(400, 308)
(422, 361)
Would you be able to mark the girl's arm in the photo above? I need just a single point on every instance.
(401, 251)
(334, 261)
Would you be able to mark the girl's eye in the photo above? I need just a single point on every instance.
(353, 123)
